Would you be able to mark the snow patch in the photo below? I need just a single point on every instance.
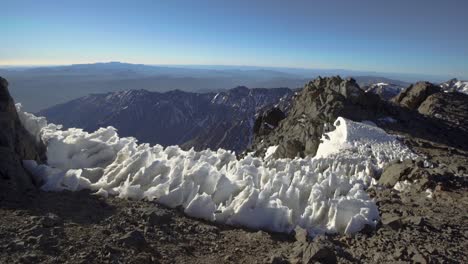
(402, 186)
(364, 139)
(270, 151)
(430, 193)
(324, 194)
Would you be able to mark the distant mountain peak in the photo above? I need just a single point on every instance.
(455, 85)
(200, 120)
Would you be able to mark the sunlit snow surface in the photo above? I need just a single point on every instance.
(322, 194)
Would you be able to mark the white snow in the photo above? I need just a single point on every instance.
(362, 138)
(455, 85)
(430, 193)
(270, 151)
(381, 84)
(402, 186)
(324, 194)
(385, 86)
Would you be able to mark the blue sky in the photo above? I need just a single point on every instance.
(411, 36)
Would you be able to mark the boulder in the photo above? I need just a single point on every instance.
(134, 239)
(449, 107)
(320, 251)
(300, 234)
(396, 172)
(157, 217)
(413, 96)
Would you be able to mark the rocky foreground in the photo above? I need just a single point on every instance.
(422, 203)
(83, 228)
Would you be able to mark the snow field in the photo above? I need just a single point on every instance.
(324, 194)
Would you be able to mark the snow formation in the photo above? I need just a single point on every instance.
(324, 194)
(455, 85)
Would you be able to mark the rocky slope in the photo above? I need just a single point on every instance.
(386, 91)
(16, 145)
(313, 112)
(422, 203)
(454, 85)
(200, 120)
(422, 111)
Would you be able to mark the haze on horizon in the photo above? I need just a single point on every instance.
(424, 37)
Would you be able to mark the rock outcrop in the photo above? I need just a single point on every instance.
(16, 145)
(268, 120)
(414, 95)
(426, 111)
(314, 110)
(450, 107)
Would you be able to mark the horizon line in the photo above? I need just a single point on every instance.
(38, 65)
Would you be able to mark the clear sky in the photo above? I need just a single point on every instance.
(412, 36)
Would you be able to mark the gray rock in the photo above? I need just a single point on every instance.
(29, 258)
(133, 239)
(300, 234)
(319, 251)
(414, 220)
(157, 217)
(51, 220)
(395, 172)
(16, 145)
(413, 96)
(392, 221)
(419, 258)
(278, 259)
(267, 121)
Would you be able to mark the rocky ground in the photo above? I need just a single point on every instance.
(83, 228)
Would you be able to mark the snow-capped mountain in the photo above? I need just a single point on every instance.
(385, 90)
(200, 120)
(454, 85)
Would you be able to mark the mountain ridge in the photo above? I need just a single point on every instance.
(199, 120)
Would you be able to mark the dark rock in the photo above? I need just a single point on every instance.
(278, 259)
(395, 172)
(319, 251)
(16, 145)
(143, 258)
(392, 221)
(29, 258)
(414, 220)
(267, 121)
(449, 107)
(51, 220)
(413, 96)
(35, 230)
(46, 243)
(133, 239)
(111, 249)
(157, 217)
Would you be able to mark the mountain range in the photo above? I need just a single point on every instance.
(200, 120)
(38, 88)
